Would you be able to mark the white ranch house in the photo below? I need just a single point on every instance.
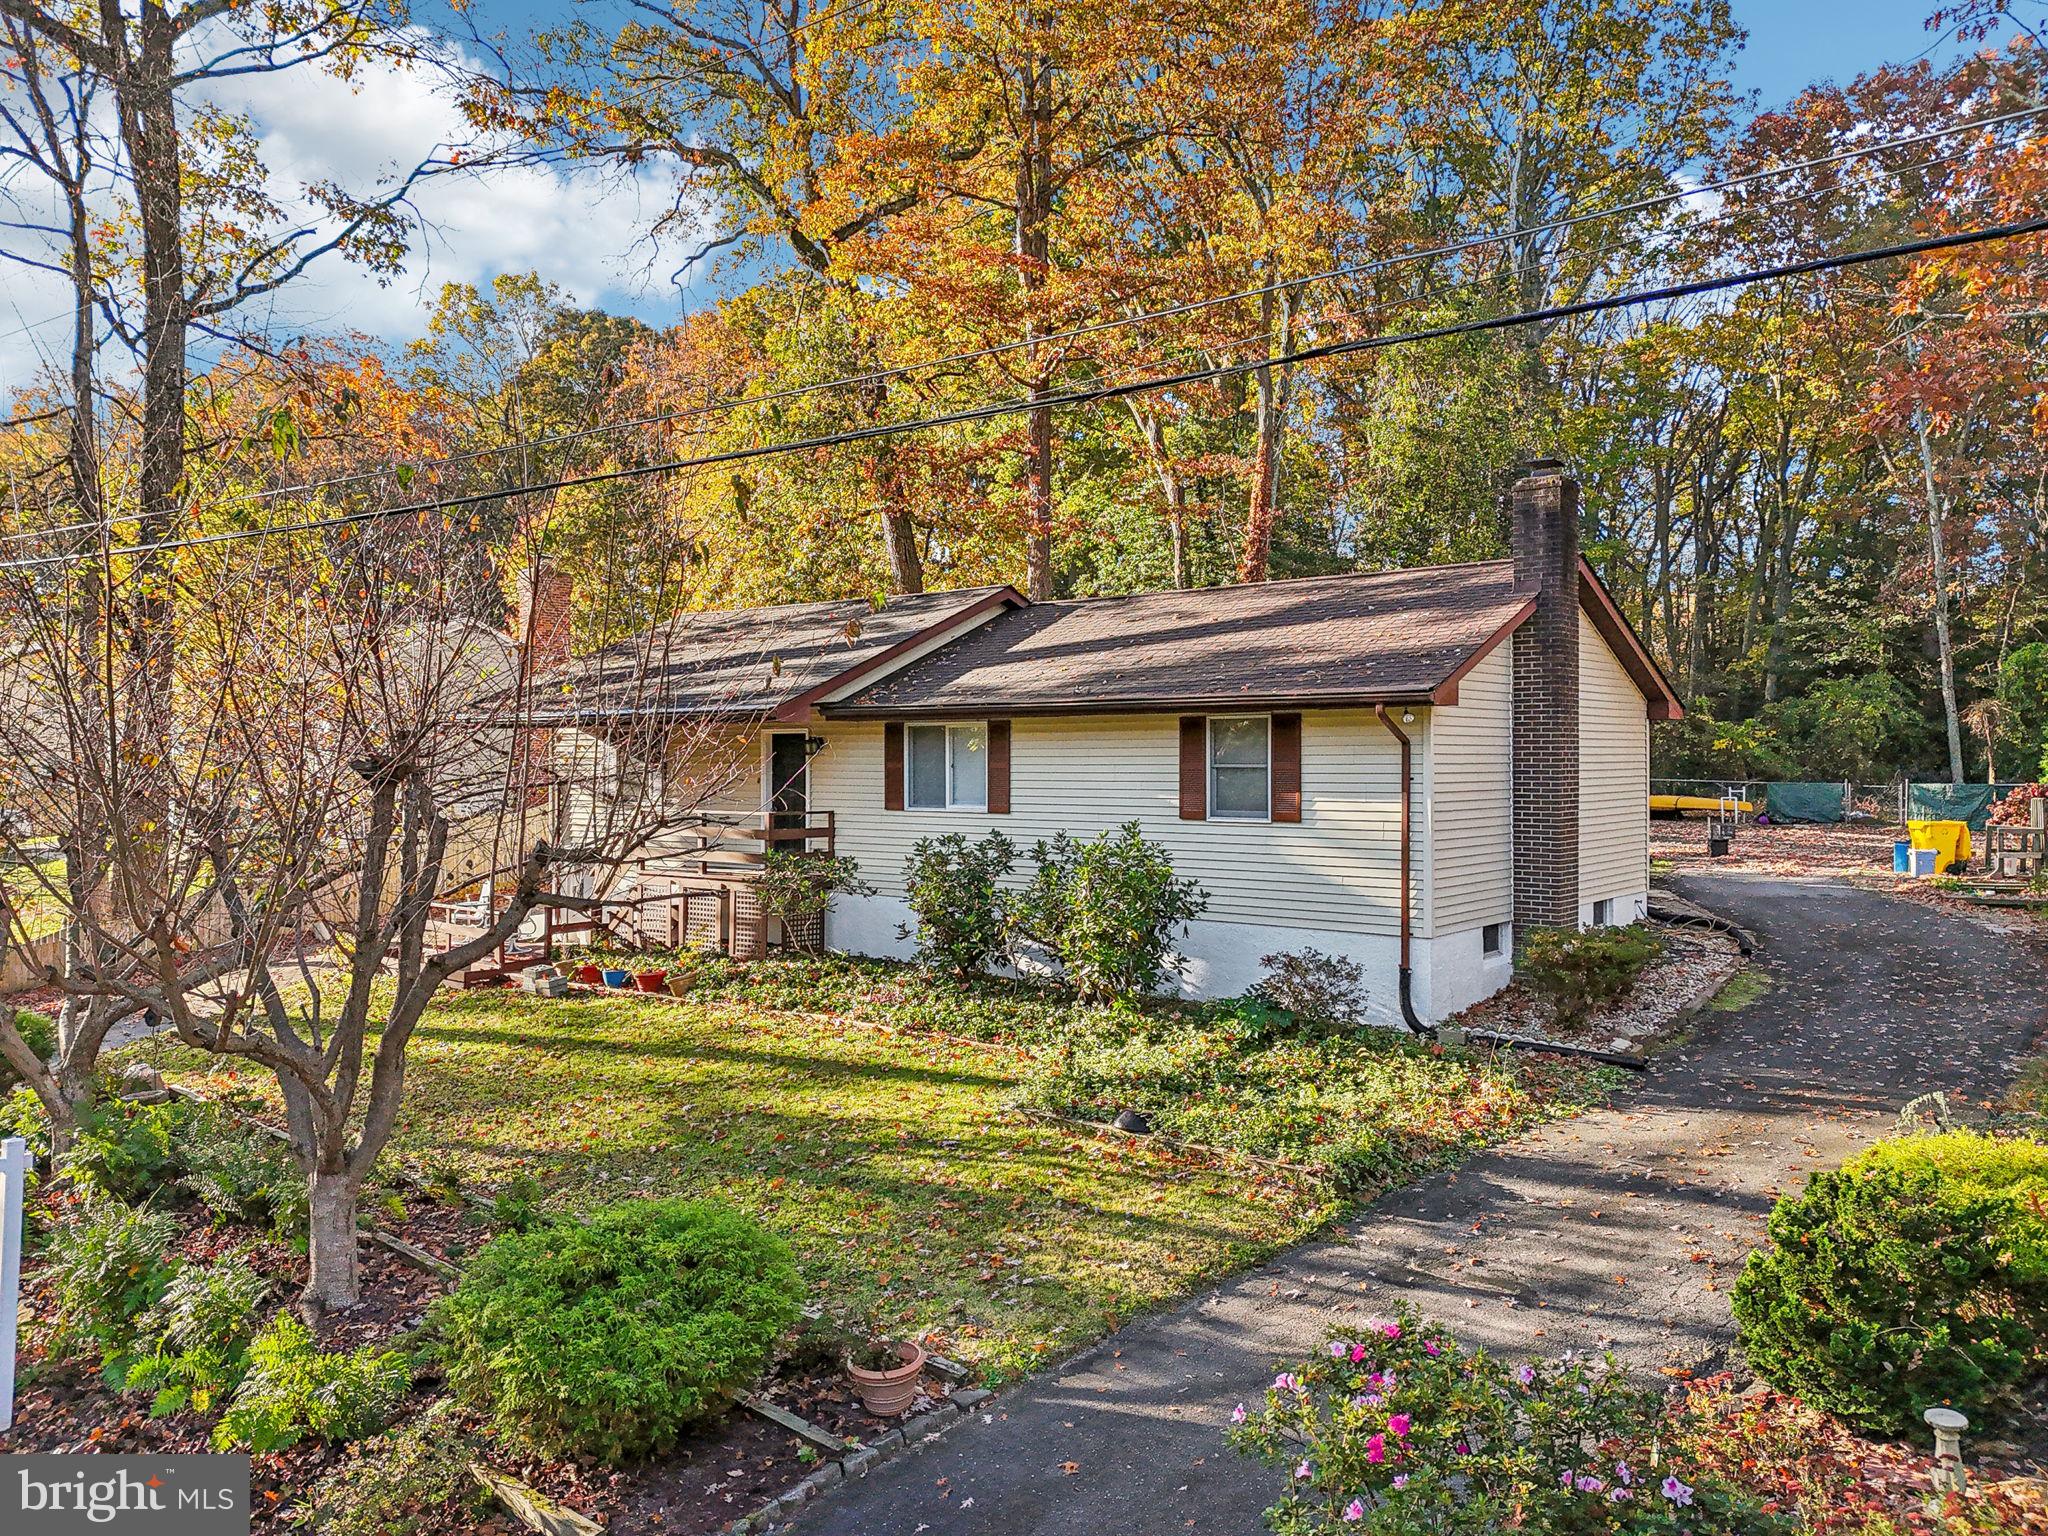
(1259, 732)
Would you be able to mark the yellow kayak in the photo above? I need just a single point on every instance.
(1705, 804)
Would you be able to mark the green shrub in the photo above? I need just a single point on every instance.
(955, 888)
(108, 1267)
(293, 1390)
(130, 1150)
(414, 1478)
(795, 889)
(1107, 911)
(516, 1207)
(1915, 1275)
(1581, 970)
(1394, 1428)
(201, 1327)
(239, 1174)
(1314, 987)
(609, 1336)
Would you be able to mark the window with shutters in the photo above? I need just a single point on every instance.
(1240, 767)
(946, 767)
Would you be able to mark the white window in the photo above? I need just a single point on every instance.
(1603, 914)
(1240, 767)
(947, 768)
(1493, 940)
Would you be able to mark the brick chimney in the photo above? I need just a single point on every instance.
(541, 624)
(1544, 536)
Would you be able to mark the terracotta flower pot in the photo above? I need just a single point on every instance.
(679, 983)
(590, 975)
(885, 1394)
(650, 981)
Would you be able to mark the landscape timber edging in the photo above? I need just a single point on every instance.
(914, 1434)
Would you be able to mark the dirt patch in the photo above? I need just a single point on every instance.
(1788, 849)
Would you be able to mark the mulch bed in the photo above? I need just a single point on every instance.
(1691, 969)
(63, 1405)
(730, 1467)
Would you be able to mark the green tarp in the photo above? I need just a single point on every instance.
(1955, 802)
(1804, 802)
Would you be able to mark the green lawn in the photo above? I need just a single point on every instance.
(28, 893)
(892, 1164)
(894, 1157)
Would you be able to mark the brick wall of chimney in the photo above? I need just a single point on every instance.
(542, 623)
(1544, 538)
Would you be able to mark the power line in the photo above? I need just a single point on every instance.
(1665, 292)
(1454, 248)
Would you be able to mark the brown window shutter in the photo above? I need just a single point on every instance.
(1287, 767)
(892, 766)
(999, 767)
(1194, 768)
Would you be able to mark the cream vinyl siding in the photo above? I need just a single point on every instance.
(711, 775)
(1472, 811)
(1338, 869)
(1614, 775)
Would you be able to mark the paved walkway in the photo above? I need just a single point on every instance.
(1622, 1229)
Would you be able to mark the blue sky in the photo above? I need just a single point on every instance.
(585, 235)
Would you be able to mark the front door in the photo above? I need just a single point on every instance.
(789, 779)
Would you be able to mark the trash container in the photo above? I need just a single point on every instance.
(1902, 857)
(1926, 861)
(1949, 841)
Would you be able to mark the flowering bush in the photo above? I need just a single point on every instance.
(1396, 1429)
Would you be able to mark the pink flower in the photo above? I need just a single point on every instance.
(1619, 1495)
(1400, 1480)
(1355, 1510)
(1339, 1349)
(1431, 1347)
(1398, 1425)
(1587, 1483)
(1286, 1382)
(1357, 1354)
(1302, 1471)
(1392, 1330)
(1676, 1491)
(1525, 1374)
(1624, 1473)
(1237, 1414)
(1464, 1449)
(1376, 1448)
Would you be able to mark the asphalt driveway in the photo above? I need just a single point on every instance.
(1622, 1229)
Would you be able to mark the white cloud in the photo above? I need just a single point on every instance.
(576, 226)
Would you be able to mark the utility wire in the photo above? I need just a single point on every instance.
(1924, 246)
(1453, 248)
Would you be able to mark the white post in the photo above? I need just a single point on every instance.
(14, 1165)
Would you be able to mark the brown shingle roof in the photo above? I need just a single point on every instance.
(1379, 636)
(747, 661)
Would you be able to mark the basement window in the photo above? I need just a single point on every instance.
(1493, 940)
(947, 767)
(1603, 913)
(1240, 767)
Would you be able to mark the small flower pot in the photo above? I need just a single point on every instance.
(679, 984)
(650, 981)
(618, 978)
(885, 1394)
(590, 975)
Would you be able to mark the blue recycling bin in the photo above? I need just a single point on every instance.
(1902, 857)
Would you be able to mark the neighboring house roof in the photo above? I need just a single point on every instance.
(756, 661)
(1374, 637)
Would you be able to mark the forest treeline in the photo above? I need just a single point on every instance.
(1822, 499)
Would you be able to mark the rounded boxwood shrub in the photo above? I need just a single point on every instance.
(609, 1336)
(1914, 1276)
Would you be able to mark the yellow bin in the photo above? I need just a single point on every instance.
(1950, 841)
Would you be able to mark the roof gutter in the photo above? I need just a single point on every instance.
(1408, 1015)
